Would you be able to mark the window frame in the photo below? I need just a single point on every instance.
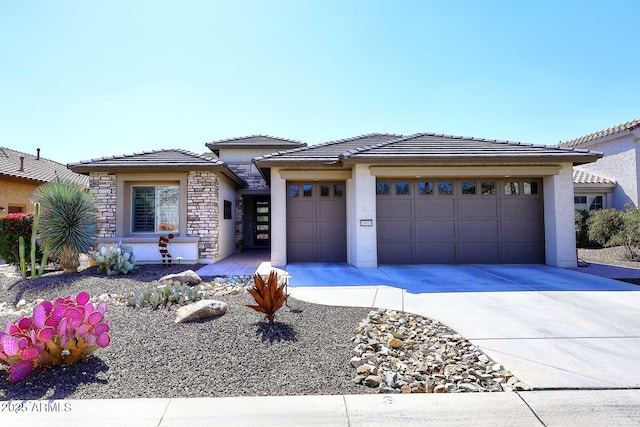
(157, 216)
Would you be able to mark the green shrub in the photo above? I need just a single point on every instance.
(603, 224)
(13, 226)
(582, 231)
(611, 227)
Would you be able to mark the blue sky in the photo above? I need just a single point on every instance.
(88, 79)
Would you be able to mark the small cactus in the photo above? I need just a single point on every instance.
(115, 259)
(164, 295)
(34, 232)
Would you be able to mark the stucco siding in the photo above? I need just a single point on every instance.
(16, 193)
(226, 236)
(560, 237)
(620, 163)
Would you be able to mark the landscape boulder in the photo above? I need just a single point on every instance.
(188, 277)
(202, 309)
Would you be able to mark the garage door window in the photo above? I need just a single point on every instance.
(468, 187)
(383, 187)
(293, 190)
(425, 187)
(488, 188)
(324, 190)
(529, 187)
(511, 187)
(403, 188)
(307, 190)
(338, 190)
(445, 188)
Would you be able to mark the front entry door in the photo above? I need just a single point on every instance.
(262, 222)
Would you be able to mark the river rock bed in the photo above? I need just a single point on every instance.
(400, 352)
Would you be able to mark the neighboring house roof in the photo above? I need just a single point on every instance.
(584, 177)
(169, 160)
(255, 141)
(328, 151)
(429, 148)
(36, 168)
(622, 127)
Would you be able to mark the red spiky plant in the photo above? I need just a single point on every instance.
(269, 295)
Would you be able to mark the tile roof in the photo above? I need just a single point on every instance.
(43, 170)
(329, 151)
(627, 126)
(428, 146)
(173, 159)
(167, 157)
(583, 177)
(255, 140)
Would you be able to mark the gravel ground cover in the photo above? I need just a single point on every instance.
(310, 351)
(612, 256)
(232, 355)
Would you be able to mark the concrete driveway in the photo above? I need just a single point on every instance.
(552, 327)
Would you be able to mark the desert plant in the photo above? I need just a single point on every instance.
(12, 226)
(34, 233)
(629, 235)
(58, 333)
(269, 295)
(611, 227)
(165, 295)
(115, 259)
(581, 217)
(604, 224)
(69, 219)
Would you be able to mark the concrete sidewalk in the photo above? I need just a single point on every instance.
(548, 408)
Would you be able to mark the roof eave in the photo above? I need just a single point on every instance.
(274, 147)
(85, 169)
(594, 186)
(575, 159)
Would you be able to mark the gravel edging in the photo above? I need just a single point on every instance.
(233, 355)
(611, 256)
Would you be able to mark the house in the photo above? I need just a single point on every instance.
(211, 204)
(368, 200)
(614, 180)
(21, 173)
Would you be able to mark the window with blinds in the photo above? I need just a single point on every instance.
(156, 208)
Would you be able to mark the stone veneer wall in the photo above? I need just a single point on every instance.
(103, 186)
(203, 212)
(254, 182)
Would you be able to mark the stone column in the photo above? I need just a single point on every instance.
(104, 186)
(203, 212)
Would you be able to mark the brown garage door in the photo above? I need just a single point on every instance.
(316, 222)
(460, 221)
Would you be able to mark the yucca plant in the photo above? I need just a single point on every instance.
(269, 295)
(69, 219)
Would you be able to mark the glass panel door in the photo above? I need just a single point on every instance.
(262, 223)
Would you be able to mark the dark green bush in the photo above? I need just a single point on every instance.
(611, 227)
(13, 226)
(604, 224)
(582, 231)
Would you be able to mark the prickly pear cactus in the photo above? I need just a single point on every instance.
(115, 259)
